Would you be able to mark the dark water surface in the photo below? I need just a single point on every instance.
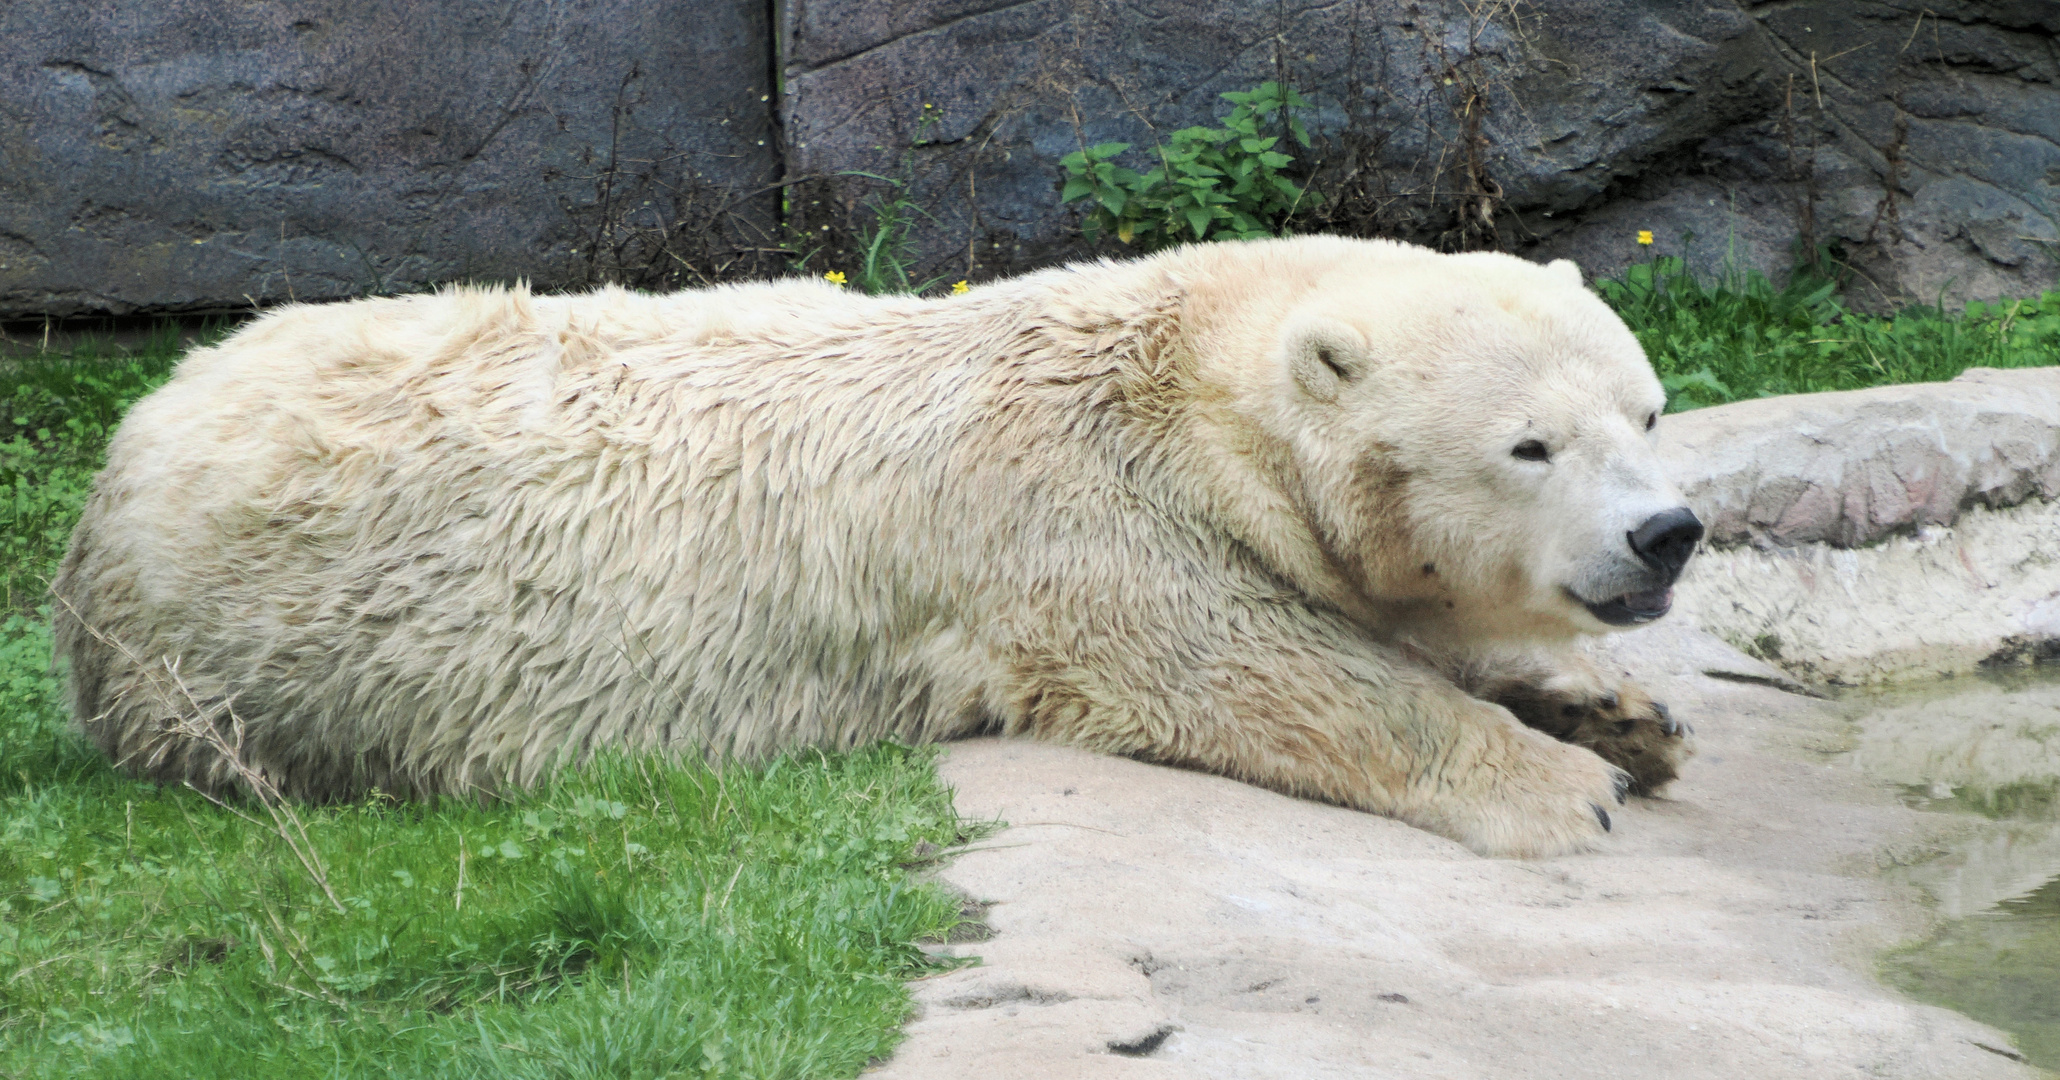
(1987, 749)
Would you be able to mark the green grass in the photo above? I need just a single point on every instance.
(637, 918)
(55, 416)
(1740, 337)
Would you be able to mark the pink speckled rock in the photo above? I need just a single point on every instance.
(1850, 469)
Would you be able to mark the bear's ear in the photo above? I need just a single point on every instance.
(1323, 354)
(1566, 269)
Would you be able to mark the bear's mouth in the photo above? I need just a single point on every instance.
(1630, 609)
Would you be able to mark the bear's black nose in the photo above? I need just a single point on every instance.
(1667, 539)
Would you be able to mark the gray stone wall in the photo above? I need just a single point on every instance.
(210, 154)
(1918, 137)
(1922, 138)
(186, 155)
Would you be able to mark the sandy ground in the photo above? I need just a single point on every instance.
(1154, 922)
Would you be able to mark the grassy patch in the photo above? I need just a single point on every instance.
(1741, 337)
(56, 414)
(630, 920)
(637, 918)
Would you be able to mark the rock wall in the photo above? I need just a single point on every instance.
(208, 153)
(1923, 139)
(1438, 121)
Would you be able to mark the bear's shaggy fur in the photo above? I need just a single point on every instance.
(1250, 508)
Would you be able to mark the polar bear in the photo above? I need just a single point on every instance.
(1325, 515)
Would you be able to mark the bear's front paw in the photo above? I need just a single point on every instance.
(1532, 797)
(1620, 723)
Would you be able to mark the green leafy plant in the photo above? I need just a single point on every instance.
(1210, 183)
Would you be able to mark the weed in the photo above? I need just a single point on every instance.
(1210, 183)
(888, 248)
(883, 252)
(655, 220)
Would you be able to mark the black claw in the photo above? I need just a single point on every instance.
(1623, 789)
(1607, 701)
(1601, 815)
(1667, 723)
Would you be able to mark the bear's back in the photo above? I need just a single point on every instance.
(442, 542)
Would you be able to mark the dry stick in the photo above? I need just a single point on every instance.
(264, 944)
(41, 964)
(285, 933)
(1064, 824)
(956, 852)
(286, 824)
(303, 850)
(725, 903)
(458, 900)
(1916, 26)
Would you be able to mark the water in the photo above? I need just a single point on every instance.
(1986, 750)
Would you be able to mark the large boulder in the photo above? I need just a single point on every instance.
(201, 154)
(1853, 468)
(1878, 535)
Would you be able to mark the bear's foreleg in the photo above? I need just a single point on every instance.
(1348, 722)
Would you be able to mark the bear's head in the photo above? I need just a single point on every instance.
(1466, 441)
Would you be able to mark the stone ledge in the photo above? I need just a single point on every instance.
(1853, 468)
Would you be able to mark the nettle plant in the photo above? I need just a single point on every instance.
(1210, 183)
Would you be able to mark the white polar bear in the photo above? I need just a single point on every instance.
(1291, 511)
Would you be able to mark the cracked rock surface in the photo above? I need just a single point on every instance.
(1920, 136)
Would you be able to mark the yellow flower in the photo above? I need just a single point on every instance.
(1645, 236)
(834, 277)
(960, 287)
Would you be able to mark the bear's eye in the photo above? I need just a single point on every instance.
(1651, 419)
(1531, 450)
